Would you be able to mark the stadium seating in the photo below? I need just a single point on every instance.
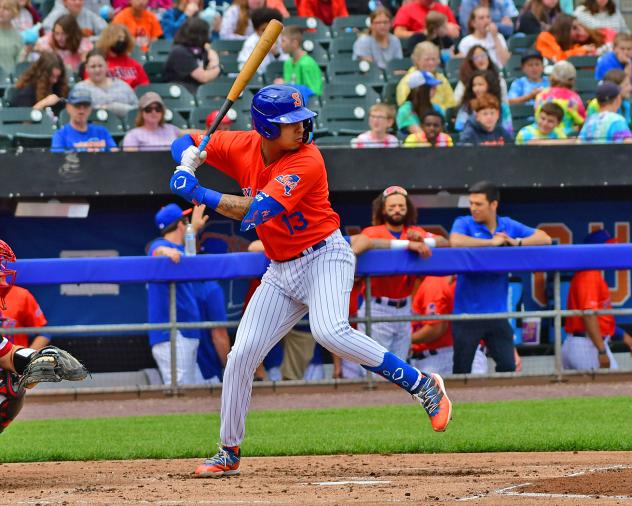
(241, 120)
(585, 65)
(358, 22)
(312, 24)
(213, 94)
(155, 70)
(176, 97)
(19, 69)
(452, 67)
(5, 81)
(352, 71)
(318, 52)
(346, 119)
(27, 127)
(519, 43)
(159, 50)
(521, 115)
(349, 93)
(585, 87)
(396, 69)
(273, 71)
(342, 47)
(227, 47)
(9, 93)
(513, 68)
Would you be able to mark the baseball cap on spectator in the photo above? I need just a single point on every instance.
(151, 97)
(530, 54)
(599, 237)
(564, 72)
(169, 214)
(79, 96)
(422, 77)
(607, 92)
(213, 114)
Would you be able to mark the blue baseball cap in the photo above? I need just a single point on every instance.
(79, 96)
(599, 237)
(421, 77)
(169, 214)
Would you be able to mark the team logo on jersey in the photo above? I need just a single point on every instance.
(289, 182)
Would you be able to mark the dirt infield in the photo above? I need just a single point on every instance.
(488, 479)
(583, 478)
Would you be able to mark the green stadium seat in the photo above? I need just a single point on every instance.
(139, 56)
(273, 71)
(19, 69)
(396, 69)
(9, 93)
(513, 67)
(335, 141)
(585, 66)
(5, 81)
(346, 119)
(175, 96)
(320, 38)
(159, 50)
(340, 71)
(342, 47)
(214, 93)
(227, 47)
(521, 115)
(452, 68)
(586, 87)
(314, 25)
(27, 127)
(519, 43)
(349, 93)
(318, 52)
(6, 142)
(290, 5)
(155, 70)
(354, 23)
(101, 117)
(241, 120)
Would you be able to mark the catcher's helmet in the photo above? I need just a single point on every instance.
(280, 104)
(7, 276)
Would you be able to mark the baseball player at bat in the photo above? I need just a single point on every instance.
(22, 367)
(286, 200)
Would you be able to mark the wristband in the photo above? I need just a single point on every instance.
(399, 244)
(431, 242)
(211, 198)
(602, 352)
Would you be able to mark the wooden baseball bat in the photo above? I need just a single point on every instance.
(267, 40)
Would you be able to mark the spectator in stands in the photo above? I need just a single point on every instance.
(477, 58)
(89, 22)
(481, 83)
(151, 132)
(158, 7)
(537, 16)
(379, 46)
(430, 135)
(236, 22)
(568, 37)
(524, 89)
(426, 58)
(300, 68)
(260, 19)
(171, 221)
(501, 12)
(422, 85)
(545, 129)
(191, 61)
(325, 10)
(27, 16)
(561, 92)
(42, 85)
(67, 41)
(483, 32)
(78, 135)
(117, 44)
(22, 310)
(486, 293)
(411, 18)
(435, 31)
(607, 125)
(96, 6)
(107, 93)
(381, 119)
(11, 45)
(587, 343)
(225, 124)
(601, 15)
(172, 19)
(485, 130)
(142, 24)
(619, 58)
(622, 80)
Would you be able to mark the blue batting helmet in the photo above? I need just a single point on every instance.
(280, 104)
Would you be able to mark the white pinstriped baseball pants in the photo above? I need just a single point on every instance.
(320, 282)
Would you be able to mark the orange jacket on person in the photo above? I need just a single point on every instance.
(144, 29)
(549, 48)
(325, 11)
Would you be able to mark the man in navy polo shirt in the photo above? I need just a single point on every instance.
(486, 292)
(171, 221)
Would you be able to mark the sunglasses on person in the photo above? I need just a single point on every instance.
(153, 108)
(394, 190)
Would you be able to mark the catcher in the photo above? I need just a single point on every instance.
(22, 368)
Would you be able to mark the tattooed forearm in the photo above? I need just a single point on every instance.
(233, 206)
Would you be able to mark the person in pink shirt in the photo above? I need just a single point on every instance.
(381, 119)
(411, 18)
(67, 41)
(151, 132)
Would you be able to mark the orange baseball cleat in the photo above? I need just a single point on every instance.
(434, 400)
(224, 463)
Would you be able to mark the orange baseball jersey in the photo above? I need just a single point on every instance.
(144, 28)
(589, 291)
(22, 311)
(435, 295)
(393, 287)
(298, 181)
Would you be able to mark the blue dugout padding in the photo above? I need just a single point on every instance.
(375, 263)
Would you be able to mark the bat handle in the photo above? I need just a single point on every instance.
(204, 142)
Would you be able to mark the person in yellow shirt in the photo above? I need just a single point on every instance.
(142, 24)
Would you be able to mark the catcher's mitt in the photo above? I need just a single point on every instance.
(52, 364)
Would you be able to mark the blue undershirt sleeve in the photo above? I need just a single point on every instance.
(262, 209)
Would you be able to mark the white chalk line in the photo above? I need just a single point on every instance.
(348, 482)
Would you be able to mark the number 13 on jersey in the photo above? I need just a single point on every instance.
(294, 222)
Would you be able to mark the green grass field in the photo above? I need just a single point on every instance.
(542, 425)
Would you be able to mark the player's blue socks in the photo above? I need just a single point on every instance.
(399, 372)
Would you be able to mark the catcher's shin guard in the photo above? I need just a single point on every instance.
(11, 398)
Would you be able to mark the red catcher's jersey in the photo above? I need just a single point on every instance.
(393, 287)
(298, 181)
(435, 295)
(22, 311)
(589, 291)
